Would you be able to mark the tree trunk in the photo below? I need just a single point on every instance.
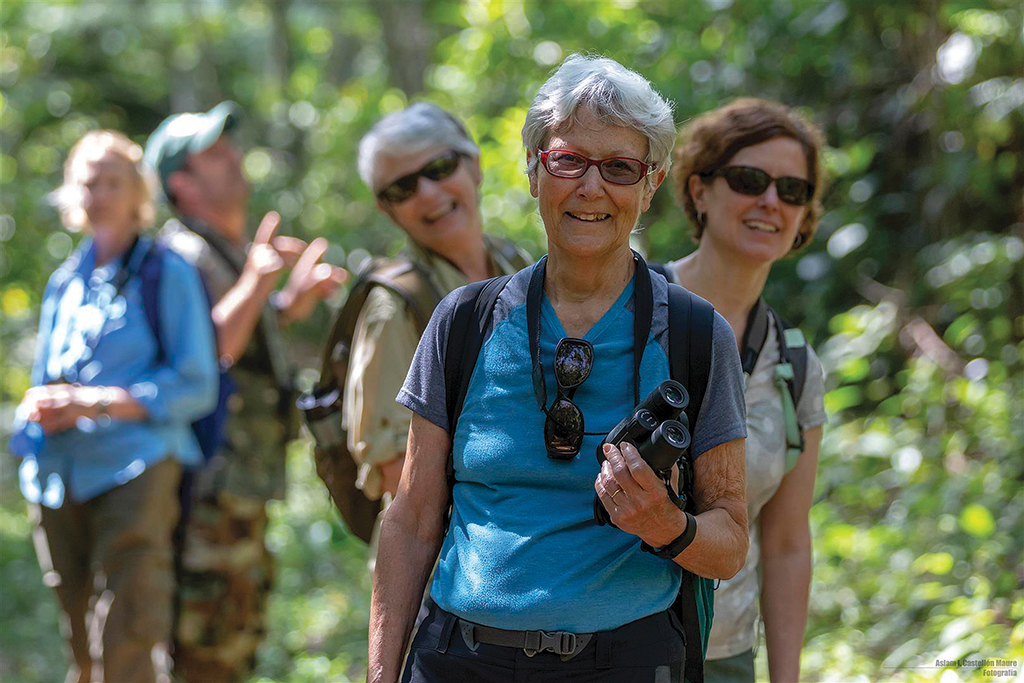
(406, 39)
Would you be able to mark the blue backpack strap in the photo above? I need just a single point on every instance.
(150, 271)
(691, 322)
(473, 313)
(209, 430)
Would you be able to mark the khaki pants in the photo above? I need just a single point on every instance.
(117, 549)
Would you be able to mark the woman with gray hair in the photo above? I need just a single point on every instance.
(529, 584)
(425, 172)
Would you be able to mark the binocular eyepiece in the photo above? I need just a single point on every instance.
(657, 428)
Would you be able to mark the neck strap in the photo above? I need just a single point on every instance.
(643, 310)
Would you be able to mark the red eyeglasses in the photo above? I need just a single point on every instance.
(562, 163)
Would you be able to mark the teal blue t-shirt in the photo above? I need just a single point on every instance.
(523, 550)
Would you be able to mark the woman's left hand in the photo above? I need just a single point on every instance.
(636, 498)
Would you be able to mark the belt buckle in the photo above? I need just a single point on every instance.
(560, 642)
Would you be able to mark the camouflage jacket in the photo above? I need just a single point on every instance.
(261, 415)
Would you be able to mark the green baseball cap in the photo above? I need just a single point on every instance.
(183, 134)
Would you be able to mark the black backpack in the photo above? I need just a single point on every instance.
(691, 326)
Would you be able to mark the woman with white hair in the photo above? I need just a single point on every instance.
(424, 169)
(529, 586)
(106, 427)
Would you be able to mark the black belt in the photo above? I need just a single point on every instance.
(563, 643)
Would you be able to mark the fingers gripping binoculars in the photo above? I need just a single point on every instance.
(659, 430)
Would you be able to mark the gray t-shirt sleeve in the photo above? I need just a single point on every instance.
(424, 389)
(723, 414)
(811, 411)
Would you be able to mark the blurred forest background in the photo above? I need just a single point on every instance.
(911, 292)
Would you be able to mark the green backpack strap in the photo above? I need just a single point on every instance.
(789, 375)
(789, 372)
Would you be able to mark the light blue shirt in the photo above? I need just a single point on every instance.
(523, 550)
(91, 336)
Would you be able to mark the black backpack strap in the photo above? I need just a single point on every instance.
(472, 315)
(465, 338)
(150, 272)
(754, 336)
(691, 322)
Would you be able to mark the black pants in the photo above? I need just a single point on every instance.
(648, 650)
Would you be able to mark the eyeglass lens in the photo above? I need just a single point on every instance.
(436, 169)
(574, 359)
(753, 181)
(563, 428)
(617, 170)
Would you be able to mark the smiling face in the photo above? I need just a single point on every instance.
(111, 193)
(588, 216)
(760, 228)
(442, 214)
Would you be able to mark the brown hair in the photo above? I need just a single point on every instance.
(710, 140)
(93, 145)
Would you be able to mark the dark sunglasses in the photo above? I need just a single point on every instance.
(563, 428)
(562, 163)
(753, 181)
(405, 187)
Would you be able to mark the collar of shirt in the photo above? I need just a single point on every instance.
(446, 276)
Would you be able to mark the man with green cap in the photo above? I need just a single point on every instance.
(226, 570)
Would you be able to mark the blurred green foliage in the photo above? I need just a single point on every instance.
(912, 289)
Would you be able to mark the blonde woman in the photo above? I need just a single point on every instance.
(105, 429)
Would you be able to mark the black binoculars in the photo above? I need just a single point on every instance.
(658, 429)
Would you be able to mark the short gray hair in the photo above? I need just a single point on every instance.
(611, 92)
(413, 129)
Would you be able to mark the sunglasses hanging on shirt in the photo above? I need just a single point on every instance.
(574, 361)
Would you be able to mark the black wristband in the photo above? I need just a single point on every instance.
(677, 546)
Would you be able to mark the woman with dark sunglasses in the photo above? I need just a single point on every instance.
(529, 586)
(424, 169)
(749, 177)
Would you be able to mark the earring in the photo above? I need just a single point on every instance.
(799, 241)
(701, 219)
